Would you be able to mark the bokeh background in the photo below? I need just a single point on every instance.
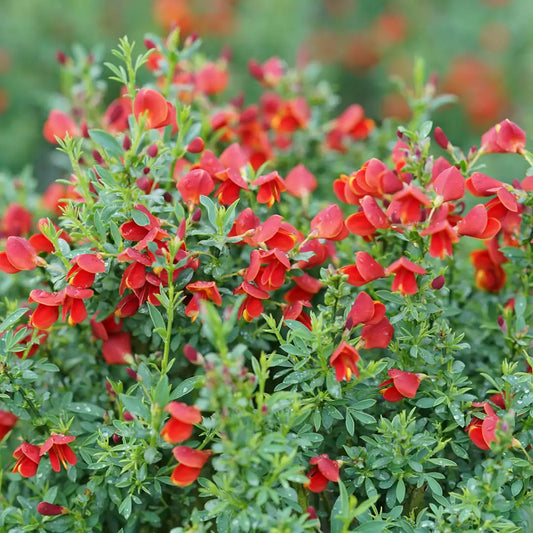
(480, 50)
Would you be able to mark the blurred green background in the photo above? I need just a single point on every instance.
(481, 50)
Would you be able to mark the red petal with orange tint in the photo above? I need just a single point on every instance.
(21, 253)
(184, 475)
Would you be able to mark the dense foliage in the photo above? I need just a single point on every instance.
(263, 317)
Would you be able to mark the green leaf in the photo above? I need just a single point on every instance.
(88, 409)
(135, 406)
(400, 490)
(211, 210)
(125, 507)
(155, 315)
(12, 318)
(299, 329)
(140, 218)
(107, 142)
(184, 387)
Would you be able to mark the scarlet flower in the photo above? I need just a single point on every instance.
(350, 124)
(480, 184)
(59, 451)
(7, 422)
(59, 124)
(344, 359)
(154, 107)
(204, 290)
(47, 310)
(84, 270)
(190, 465)
(364, 270)
(194, 184)
(49, 509)
(143, 233)
(442, 238)
(230, 188)
(19, 255)
(478, 224)
(489, 275)
(28, 458)
(270, 186)
(73, 304)
(252, 306)
(324, 470)
(269, 73)
(407, 205)
(116, 343)
(369, 219)
(483, 432)
(16, 221)
(329, 224)
(402, 385)
(449, 184)
(504, 137)
(274, 232)
(182, 419)
(212, 79)
(300, 182)
(271, 276)
(404, 280)
(291, 115)
(306, 288)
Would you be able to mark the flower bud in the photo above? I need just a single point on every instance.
(149, 44)
(312, 513)
(126, 142)
(197, 215)
(132, 374)
(109, 388)
(167, 197)
(98, 158)
(441, 139)
(196, 146)
(192, 355)
(84, 129)
(117, 439)
(438, 283)
(146, 170)
(152, 150)
(49, 509)
(128, 417)
(61, 57)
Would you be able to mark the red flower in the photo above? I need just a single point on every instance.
(49, 509)
(190, 465)
(291, 115)
(366, 269)
(194, 184)
(252, 306)
(47, 310)
(404, 280)
(85, 268)
(477, 224)
(407, 205)
(324, 470)
(182, 419)
(28, 459)
(489, 275)
(449, 185)
(306, 288)
(270, 186)
(7, 422)
(116, 343)
(300, 182)
(505, 137)
(230, 188)
(443, 236)
(479, 184)
(212, 79)
(329, 224)
(154, 107)
(403, 385)
(143, 234)
(204, 290)
(344, 359)
(73, 304)
(59, 124)
(351, 123)
(16, 221)
(59, 451)
(19, 255)
(483, 432)
(369, 219)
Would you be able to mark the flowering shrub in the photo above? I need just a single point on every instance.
(263, 317)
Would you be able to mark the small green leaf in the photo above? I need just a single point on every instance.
(140, 218)
(107, 142)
